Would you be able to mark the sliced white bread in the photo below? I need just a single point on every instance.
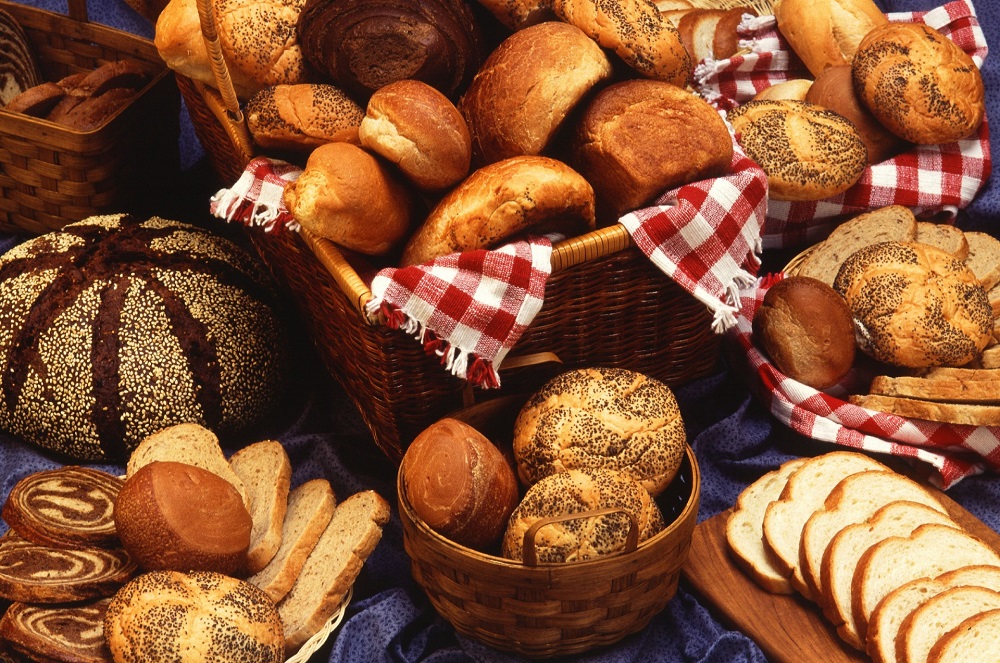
(970, 374)
(945, 237)
(840, 560)
(310, 508)
(968, 414)
(975, 639)
(937, 616)
(949, 390)
(745, 529)
(853, 500)
(984, 257)
(929, 551)
(697, 31)
(266, 472)
(332, 566)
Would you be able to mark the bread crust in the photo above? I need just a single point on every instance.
(301, 117)
(826, 33)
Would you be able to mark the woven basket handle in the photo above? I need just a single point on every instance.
(77, 10)
(530, 556)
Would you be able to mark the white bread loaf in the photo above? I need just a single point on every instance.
(975, 639)
(266, 471)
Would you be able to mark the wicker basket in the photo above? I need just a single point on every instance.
(547, 610)
(51, 175)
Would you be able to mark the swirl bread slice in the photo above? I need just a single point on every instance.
(266, 472)
(57, 633)
(937, 616)
(975, 639)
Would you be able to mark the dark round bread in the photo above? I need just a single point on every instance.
(116, 328)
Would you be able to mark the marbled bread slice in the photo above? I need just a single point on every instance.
(19, 69)
(57, 633)
(266, 472)
(939, 615)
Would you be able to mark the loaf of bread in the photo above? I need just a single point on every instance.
(301, 117)
(975, 639)
(826, 33)
(922, 628)
(44, 632)
(266, 472)
(19, 69)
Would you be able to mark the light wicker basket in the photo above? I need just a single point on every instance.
(51, 175)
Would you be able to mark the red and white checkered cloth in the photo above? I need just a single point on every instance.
(929, 179)
(953, 451)
(255, 198)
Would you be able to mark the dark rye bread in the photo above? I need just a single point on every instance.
(73, 633)
(118, 327)
(18, 68)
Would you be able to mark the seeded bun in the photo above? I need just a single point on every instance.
(302, 117)
(807, 152)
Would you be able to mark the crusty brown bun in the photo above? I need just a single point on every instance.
(526, 88)
(459, 483)
(601, 417)
(180, 517)
(795, 89)
(826, 33)
(915, 305)
(919, 83)
(834, 90)
(578, 539)
(302, 117)
(348, 196)
(636, 31)
(807, 151)
(416, 127)
(636, 139)
(726, 41)
(507, 198)
(519, 14)
(806, 329)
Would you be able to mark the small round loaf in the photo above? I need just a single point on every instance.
(915, 305)
(601, 418)
(200, 616)
(459, 483)
(179, 517)
(586, 537)
(639, 138)
(834, 89)
(501, 200)
(826, 33)
(794, 88)
(302, 117)
(806, 329)
(416, 127)
(526, 88)
(348, 196)
(919, 83)
(807, 152)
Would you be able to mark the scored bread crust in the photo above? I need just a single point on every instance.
(266, 471)
(302, 116)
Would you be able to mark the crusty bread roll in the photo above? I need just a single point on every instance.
(919, 83)
(826, 33)
(526, 88)
(459, 483)
(601, 417)
(302, 117)
(348, 196)
(807, 151)
(416, 127)
(636, 139)
(517, 195)
(794, 88)
(915, 305)
(806, 329)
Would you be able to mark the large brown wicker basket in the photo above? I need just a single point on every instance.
(51, 175)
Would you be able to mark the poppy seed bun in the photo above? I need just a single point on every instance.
(587, 537)
(826, 33)
(807, 152)
(915, 305)
(601, 418)
(919, 83)
(302, 117)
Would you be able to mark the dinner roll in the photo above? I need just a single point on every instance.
(915, 305)
(793, 88)
(919, 83)
(807, 152)
(302, 117)
(826, 33)
(601, 417)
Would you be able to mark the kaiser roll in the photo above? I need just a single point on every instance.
(459, 483)
(826, 33)
(302, 117)
(915, 305)
(601, 418)
(919, 83)
(806, 329)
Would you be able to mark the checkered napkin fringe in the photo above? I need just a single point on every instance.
(255, 198)
(929, 179)
(953, 451)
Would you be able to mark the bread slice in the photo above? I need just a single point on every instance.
(970, 414)
(885, 622)
(745, 529)
(892, 223)
(310, 507)
(975, 639)
(930, 550)
(984, 258)
(186, 443)
(939, 615)
(332, 566)
(266, 472)
(949, 390)
(804, 493)
(993, 294)
(950, 373)
(853, 500)
(944, 236)
(990, 359)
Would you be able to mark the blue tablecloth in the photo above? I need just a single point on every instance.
(733, 436)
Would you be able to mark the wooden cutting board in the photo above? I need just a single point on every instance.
(788, 628)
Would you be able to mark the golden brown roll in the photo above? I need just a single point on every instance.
(519, 14)
(807, 152)
(501, 200)
(919, 83)
(348, 196)
(915, 305)
(639, 138)
(416, 127)
(302, 117)
(826, 33)
(795, 89)
(526, 88)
